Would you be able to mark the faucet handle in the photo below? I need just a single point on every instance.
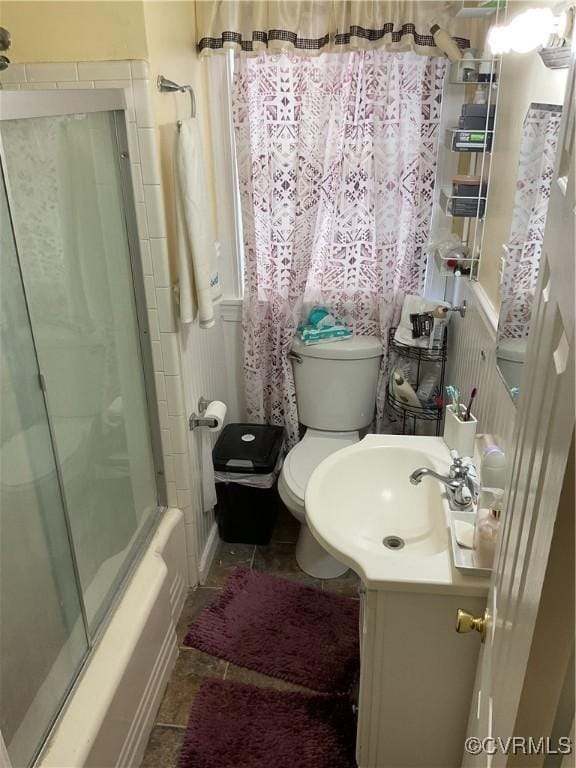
(457, 467)
(455, 456)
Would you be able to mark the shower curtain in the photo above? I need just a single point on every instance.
(535, 171)
(336, 158)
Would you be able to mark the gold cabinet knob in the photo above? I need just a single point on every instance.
(465, 622)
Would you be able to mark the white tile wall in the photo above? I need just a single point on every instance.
(166, 319)
(134, 78)
(154, 200)
(36, 73)
(149, 157)
(102, 70)
(146, 257)
(153, 322)
(159, 253)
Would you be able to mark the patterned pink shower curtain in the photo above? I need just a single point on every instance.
(336, 158)
(533, 186)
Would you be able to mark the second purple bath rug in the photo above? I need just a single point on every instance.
(282, 629)
(233, 725)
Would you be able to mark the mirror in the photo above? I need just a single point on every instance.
(537, 152)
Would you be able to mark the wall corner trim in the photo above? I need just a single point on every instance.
(487, 309)
(231, 310)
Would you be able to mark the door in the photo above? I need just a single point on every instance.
(43, 639)
(543, 435)
(71, 223)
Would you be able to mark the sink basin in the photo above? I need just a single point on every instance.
(362, 508)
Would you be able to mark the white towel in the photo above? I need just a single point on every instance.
(207, 471)
(415, 305)
(198, 276)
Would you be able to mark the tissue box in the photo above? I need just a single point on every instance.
(311, 335)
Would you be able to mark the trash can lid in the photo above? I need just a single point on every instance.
(248, 448)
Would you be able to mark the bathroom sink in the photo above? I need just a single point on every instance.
(361, 506)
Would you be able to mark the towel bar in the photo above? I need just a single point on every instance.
(169, 86)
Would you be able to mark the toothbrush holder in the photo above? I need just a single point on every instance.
(459, 435)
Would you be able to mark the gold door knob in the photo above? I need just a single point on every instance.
(465, 622)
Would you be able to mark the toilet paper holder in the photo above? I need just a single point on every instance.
(198, 420)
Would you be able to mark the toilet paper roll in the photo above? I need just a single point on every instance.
(215, 410)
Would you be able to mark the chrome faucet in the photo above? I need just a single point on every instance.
(458, 483)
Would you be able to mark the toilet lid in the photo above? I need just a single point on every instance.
(303, 459)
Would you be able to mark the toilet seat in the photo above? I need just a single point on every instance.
(302, 460)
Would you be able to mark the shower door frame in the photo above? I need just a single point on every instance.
(17, 105)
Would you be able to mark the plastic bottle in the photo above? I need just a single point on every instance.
(402, 391)
(480, 95)
(486, 530)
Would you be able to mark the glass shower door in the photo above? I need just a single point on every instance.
(70, 223)
(43, 639)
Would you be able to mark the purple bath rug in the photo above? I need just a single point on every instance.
(233, 725)
(282, 629)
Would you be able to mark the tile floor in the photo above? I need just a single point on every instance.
(193, 666)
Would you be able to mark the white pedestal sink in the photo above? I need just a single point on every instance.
(417, 674)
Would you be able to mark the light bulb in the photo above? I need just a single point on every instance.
(526, 32)
(531, 29)
(498, 40)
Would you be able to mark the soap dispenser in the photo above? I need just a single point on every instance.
(486, 528)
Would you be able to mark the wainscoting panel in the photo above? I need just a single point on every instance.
(205, 375)
(472, 363)
(234, 349)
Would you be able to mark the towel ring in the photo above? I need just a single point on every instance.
(169, 86)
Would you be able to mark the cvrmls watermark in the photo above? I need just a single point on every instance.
(518, 745)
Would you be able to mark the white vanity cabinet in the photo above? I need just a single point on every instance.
(416, 672)
(416, 678)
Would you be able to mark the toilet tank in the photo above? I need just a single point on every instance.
(336, 382)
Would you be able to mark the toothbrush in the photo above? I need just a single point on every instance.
(457, 406)
(469, 409)
(454, 394)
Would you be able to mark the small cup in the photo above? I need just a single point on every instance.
(459, 435)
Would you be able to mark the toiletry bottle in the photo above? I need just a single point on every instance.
(445, 42)
(493, 467)
(486, 530)
(402, 390)
(480, 96)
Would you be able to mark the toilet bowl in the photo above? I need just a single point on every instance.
(335, 392)
(29, 475)
(301, 461)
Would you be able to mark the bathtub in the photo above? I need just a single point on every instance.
(109, 715)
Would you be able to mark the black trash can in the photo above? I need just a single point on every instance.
(247, 460)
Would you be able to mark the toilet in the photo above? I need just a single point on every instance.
(511, 355)
(336, 386)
